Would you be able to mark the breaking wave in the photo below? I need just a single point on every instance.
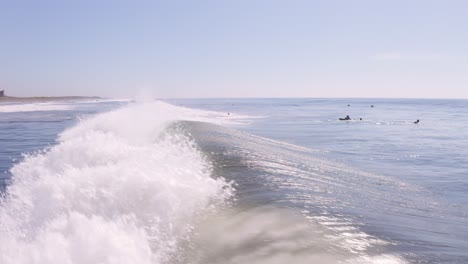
(117, 188)
(136, 185)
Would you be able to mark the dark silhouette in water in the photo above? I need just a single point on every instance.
(372, 106)
(360, 118)
(346, 118)
(416, 122)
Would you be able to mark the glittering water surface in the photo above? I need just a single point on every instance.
(417, 194)
(234, 181)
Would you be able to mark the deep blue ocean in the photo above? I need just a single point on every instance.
(234, 181)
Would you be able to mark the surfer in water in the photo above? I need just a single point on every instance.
(346, 118)
(416, 122)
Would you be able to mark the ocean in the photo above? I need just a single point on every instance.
(234, 181)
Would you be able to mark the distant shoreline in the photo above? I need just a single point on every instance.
(11, 99)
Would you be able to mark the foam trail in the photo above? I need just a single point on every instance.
(117, 188)
(34, 107)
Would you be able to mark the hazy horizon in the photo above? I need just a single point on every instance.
(234, 98)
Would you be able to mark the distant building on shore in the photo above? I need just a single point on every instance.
(2, 93)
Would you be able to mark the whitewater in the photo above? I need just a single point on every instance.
(115, 189)
(212, 181)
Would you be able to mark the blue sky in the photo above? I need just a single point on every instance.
(238, 48)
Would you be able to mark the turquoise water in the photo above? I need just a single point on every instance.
(377, 190)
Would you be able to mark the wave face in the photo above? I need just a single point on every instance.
(117, 188)
(291, 207)
(414, 196)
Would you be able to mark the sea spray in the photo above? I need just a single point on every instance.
(113, 190)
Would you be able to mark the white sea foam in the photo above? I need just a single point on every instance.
(116, 189)
(103, 100)
(33, 107)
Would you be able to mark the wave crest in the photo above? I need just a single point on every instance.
(114, 190)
